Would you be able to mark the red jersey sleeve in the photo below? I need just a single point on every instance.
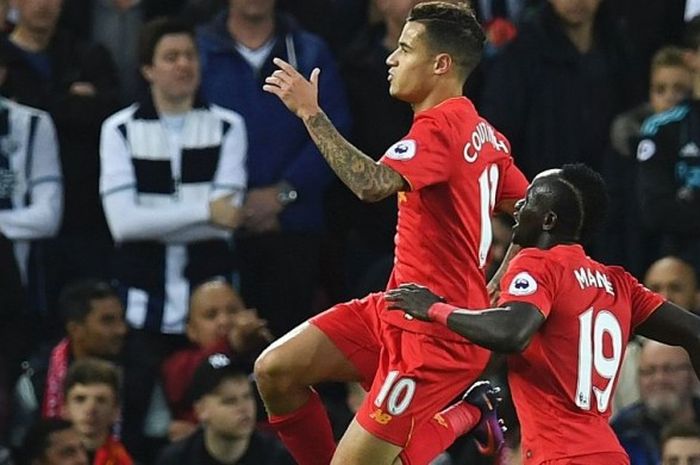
(423, 156)
(514, 184)
(529, 279)
(644, 302)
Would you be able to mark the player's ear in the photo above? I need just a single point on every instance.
(443, 63)
(549, 221)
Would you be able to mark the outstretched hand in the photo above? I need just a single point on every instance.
(297, 93)
(413, 299)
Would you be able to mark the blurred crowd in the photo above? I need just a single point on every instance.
(162, 219)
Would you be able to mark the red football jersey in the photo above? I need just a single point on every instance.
(563, 383)
(459, 168)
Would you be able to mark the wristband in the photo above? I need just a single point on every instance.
(439, 312)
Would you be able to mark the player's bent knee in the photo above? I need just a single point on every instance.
(272, 372)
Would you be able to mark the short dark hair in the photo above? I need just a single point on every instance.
(88, 371)
(691, 35)
(76, 299)
(591, 197)
(452, 28)
(213, 371)
(153, 31)
(680, 430)
(669, 57)
(38, 438)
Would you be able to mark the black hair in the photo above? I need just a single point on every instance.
(452, 28)
(587, 202)
(153, 31)
(92, 371)
(76, 299)
(691, 35)
(680, 430)
(38, 438)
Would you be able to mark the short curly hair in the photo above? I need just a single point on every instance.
(591, 198)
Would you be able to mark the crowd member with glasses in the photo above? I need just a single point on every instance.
(666, 382)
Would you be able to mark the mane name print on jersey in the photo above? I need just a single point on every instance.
(587, 278)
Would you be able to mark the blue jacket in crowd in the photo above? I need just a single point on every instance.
(279, 147)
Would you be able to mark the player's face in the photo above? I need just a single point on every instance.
(529, 215)
(681, 451)
(103, 331)
(65, 448)
(230, 410)
(411, 65)
(669, 86)
(174, 72)
(92, 408)
(212, 313)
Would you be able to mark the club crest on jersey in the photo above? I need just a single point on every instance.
(523, 284)
(645, 150)
(402, 150)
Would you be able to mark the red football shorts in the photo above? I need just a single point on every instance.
(608, 458)
(409, 376)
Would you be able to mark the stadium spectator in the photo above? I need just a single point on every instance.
(53, 441)
(225, 406)
(555, 88)
(278, 246)
(91, 403)
(666, 385)
(668, 175)
(680, 445)
(48, 68)
(627, 241)
(218, 321)
(95, 327)
(172, 179)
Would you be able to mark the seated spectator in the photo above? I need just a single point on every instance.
(680, 445)
(225, 406)
(675, 280)
(666, 385)
(91, 403)
(217, 322)
(95, 327)
(53, 441)
(628, 242)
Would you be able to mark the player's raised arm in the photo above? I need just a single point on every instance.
(675, 326)
(502, 329)
(368, 180)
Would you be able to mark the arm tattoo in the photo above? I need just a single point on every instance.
(368, 180)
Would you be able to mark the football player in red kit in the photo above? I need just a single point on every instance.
(567, 318)
(451, 172)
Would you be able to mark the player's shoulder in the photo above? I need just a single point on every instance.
(533, 255)
(657, 122)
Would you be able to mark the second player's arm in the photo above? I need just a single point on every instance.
(507, 329)
(369, 180)
(676, 326)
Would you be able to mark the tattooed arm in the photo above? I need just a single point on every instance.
(368, 180)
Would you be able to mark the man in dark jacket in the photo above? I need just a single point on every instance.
(225, 405)
(49, 69)
(287, 177)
